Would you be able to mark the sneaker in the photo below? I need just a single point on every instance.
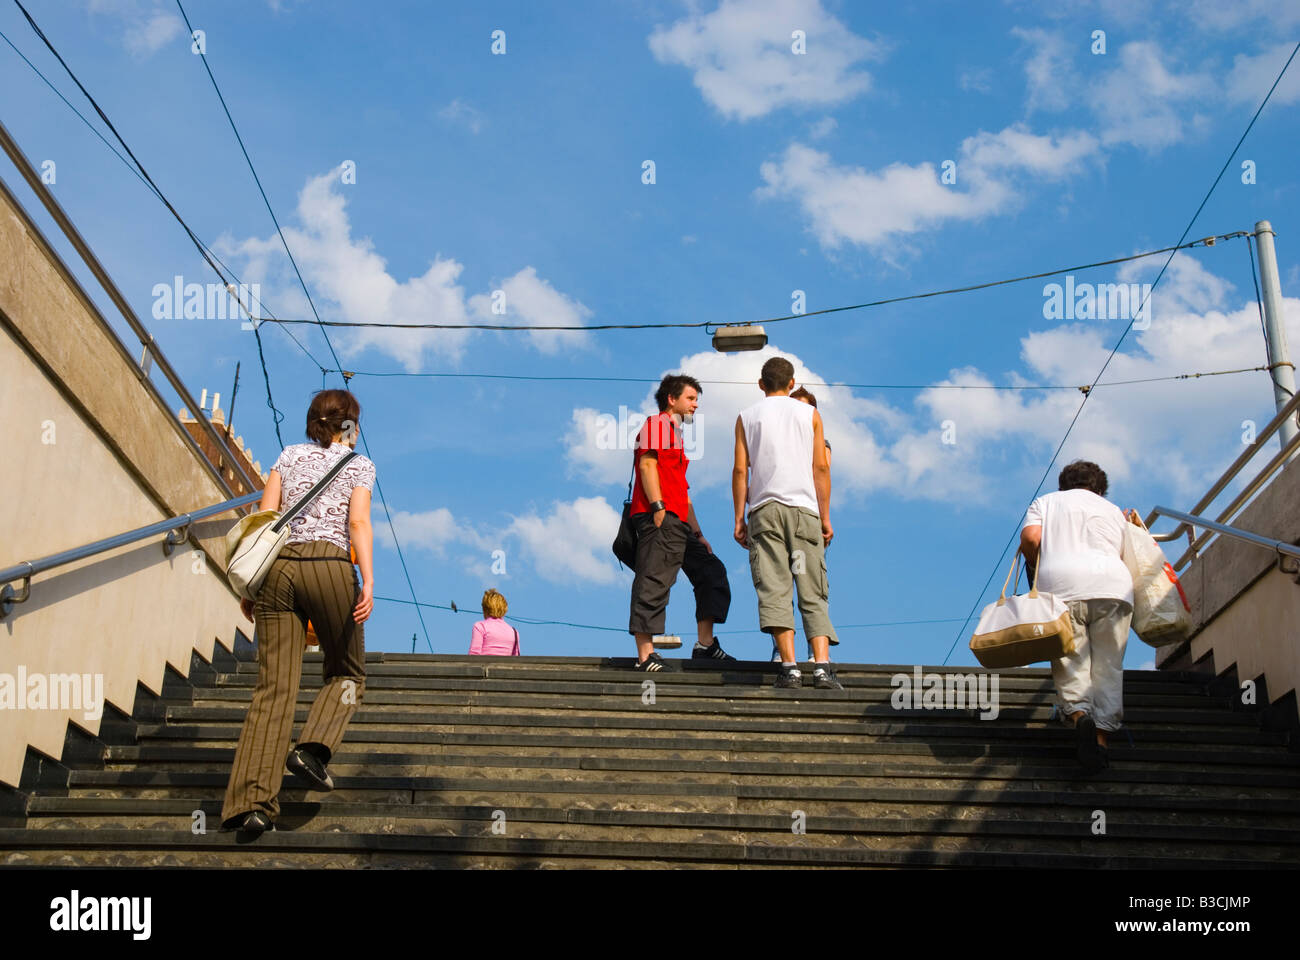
(789, 680)
(308, 766)
(825, 679)
(650, 664)
(711, 652)
(253, 823)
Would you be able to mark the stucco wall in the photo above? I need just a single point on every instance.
(92, 451)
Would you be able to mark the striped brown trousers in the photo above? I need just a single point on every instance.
(309, 581)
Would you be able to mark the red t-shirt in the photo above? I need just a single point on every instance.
(660, 434)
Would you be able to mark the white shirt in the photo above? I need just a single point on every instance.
(1081, 553)
(301, 466)
(779, 434)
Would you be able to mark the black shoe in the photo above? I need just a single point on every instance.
(307, 766)
(253, 824)
(825, 679)
(1087, 749)
(789, 680)
(712, 652)
(650, 664)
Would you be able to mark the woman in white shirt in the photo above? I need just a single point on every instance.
(1076, 537)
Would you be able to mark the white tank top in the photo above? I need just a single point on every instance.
(779, 434)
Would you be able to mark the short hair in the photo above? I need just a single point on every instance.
(672, 386)
(776, 374)
(1084, 475)
(494, 605)
(806, 395)
(329, 413)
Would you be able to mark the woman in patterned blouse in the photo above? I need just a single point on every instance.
(313, 579)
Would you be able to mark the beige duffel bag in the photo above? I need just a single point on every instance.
(1019, 630)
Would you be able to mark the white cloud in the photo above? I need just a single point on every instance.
(1045, 69)
(979, 80)
(822, 128)
(572, 542)
(152, 33)
(346, 273)
(460, 112)
(743, 63)
(531, 300)
(1139, 101)
(874, 208)
(1251, 77)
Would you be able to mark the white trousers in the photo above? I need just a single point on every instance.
(1092, 678)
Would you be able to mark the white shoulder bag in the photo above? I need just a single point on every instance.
(255, 541)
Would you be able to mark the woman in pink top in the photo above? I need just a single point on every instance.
(492, 635)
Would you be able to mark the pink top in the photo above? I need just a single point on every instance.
(495, 637)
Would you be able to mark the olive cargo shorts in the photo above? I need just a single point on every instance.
(787, 555)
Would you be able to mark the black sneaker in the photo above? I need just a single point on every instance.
(789, 680)
(712, 652)
(253, 824)
(650, 664)
(825, 679)
(307, 766)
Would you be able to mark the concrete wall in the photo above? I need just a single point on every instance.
(92, 451)
(1245, 611)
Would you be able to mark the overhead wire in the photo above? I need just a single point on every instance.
(394, 325)
(811, 383)
(1070, 428)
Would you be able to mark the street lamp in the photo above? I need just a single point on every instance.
(736, 337)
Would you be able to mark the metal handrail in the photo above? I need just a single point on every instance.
(24, 166)
(177, 530)
(1262, 437)
(1190, 520)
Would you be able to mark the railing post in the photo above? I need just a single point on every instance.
(1281, 369)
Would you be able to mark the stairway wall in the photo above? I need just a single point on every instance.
(92, 451)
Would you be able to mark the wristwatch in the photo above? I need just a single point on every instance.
(656, 506)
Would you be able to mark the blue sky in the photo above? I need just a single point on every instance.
(774, 172)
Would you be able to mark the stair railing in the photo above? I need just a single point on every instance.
(1195, 544)
(177, 531)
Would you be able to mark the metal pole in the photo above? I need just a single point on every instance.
(1279, 357)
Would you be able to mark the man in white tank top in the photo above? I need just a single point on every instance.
(782, 475)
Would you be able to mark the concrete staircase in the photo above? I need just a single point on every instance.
(559, 762)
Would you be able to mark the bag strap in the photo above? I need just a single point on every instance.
(314, 492)
(516, 653)
(1042, 538)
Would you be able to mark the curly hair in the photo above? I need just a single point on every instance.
(672, 386)
(806, 396)
(494, 605)
(1084, 475)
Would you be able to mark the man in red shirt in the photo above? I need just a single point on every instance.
(668, 535)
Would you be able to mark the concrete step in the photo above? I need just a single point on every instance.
(412, 849)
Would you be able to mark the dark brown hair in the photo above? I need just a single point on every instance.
(776, 374)
(1084, 475)
(672, 386)
(804, 394)
(329, 414)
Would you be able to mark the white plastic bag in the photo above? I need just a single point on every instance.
(1161, 614)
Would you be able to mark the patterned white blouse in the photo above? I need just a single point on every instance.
(301, 465)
